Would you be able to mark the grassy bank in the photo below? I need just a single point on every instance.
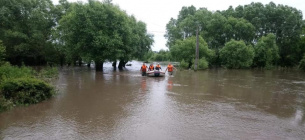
(24, 86)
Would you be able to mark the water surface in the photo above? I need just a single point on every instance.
(211, 104)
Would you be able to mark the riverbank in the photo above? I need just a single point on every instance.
(21, 86)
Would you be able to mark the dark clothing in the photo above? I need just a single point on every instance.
(158, 67)
(143, 73)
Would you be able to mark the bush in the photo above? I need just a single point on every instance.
(26, 90)
(183, 65)
(185, 49)
(5, 104)
(235, 54)
(48, 72)
(203, 63)
(10, 72)
(266, 52)
(302, 64)
(2, 52)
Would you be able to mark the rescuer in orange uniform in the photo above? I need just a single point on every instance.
(170, 69)
(158, 67)
(143, 69)
(151, 67)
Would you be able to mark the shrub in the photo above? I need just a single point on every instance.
(48, 72)
(2, 52)
(266, 52)
(203, 63)
(26, 90)
(183, 65)
(9, 72)
(185, 49)
(5, 104)
(302, 64)
(235, 54)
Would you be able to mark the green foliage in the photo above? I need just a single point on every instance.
(18, 85)
(2, 52)
(248, 23)
(283, 21)
(266, 52)
(203, 63)
(5, 104)
(183, 65)
(101, 31)
(8, 71)
(48, 73)
(185, 50)
(25, 29)
(162, 55)
(235, 54)
(26, 90)
(148, 56)
(302, 64)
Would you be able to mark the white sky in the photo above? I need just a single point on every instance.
(157, 13)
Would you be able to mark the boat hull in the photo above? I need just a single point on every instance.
(155, 73)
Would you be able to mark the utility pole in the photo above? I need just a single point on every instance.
(197, 50)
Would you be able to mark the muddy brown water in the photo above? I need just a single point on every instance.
(211, 104)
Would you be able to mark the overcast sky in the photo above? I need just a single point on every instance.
(157, 13)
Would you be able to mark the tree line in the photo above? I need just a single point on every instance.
(253, 35)
(36, 32)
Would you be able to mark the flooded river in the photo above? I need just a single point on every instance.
(211, 104)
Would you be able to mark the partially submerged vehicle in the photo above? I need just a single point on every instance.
(155, 73)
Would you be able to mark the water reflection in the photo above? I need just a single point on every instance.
(169, 84)
(143, 85)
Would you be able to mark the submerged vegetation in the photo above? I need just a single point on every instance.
(24, 86)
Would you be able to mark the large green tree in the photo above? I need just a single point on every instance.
(102, 32)
(25, 28)
(248, 23)
(266, 52)
(283, 21)
(185, 50)
(138, 44)
(236, 55)
(182, 27)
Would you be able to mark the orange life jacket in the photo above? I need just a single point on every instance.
(151, 67)
(143, 68)
(158, 67)
(170, 68)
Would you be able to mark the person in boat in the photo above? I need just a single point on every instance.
(151, 67)
(170, 69)
(143, 69)
(158, 67)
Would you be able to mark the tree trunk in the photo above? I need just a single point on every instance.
(79, 61)
(99, 66)
(121, 65)
(88, 64)
(114, 65)
(125, 62)
(190, 65)
(62, 59)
